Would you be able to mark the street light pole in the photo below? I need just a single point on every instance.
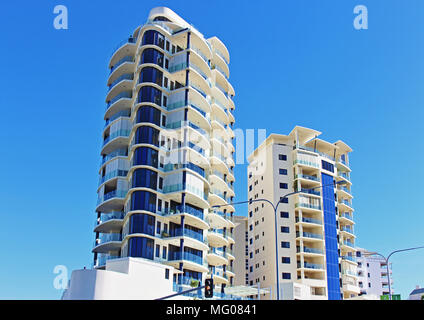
(387, 263)
(275, 207)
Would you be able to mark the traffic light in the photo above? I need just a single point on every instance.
(208, 288)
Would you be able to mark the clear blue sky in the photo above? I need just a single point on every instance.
(292, 63)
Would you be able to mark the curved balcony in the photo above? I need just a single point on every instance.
(216, 257)
(113, 175)
(107, 242)
(217, 238)
(347, 245)
(349, 259)
(193, 195)
(217, 219)
(115, 140)
(125, 48)
(118, 103)
(344, 177)
(345, 205)
(342, 165)
(111, 201)
(346, 217)
(192, 239)
(193, 216)
(109, 222)
(189, 260)
(344, 192)
(119, 153)
(119, 84)
(348, 231)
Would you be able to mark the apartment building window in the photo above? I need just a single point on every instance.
(166, 273)
(157, 250)
(285, 229)
(285, 259)
(282, 157)
(285, 244)
(158, 227)
(282, 171)
(251, 240)
(369, 285)
(251, 227)
(327, 166)
(283, 185)
(284, 214)
(164, 252)
(250, 214)
(284, 200)
(286, 275)
(250, 188)
(369, 275)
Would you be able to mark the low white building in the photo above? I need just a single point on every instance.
(417, 294)
(122, 279)
(372, 274)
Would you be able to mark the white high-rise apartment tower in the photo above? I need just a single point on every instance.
(167, 158)
(316, 242)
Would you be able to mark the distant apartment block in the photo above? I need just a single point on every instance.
(315, 228)
(372, 274)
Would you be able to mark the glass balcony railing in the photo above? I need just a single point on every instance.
(344, 189)
(310, 265)
(347, 229)
(346, 202)
(123, 113)
(310, 250)
(108, 237)
(348, 243)
(308, 205)
(187, 233)
(177, 67)
(309, 220)
(113, 174)
(203, 113)
(118, 133)
(171, 167)
(308, 235)
(114, 154)
(314, 151)
(122, 95)
(308, 177)
(349, 258)
(112, 194)
(123, 42)
(127, 76)
(102, 258)
(306, 163)
(114, 215)
(219, 53)
(122, 61)
(194, 67)
(218, 252)
(197, 89)
(186, 256)
(199, 52)
(344, 175)
(310, 191)
(346, 215)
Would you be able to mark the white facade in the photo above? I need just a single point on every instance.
(300, 162)
(372, 274)
(417, 294)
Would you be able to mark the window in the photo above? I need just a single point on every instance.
(282, 157)
(160, 183)
(158, 227)
(164, 253)
(167, 45)
(327, 166)
(284, 214)
(250, 188)
(286, 275)
(166, 63)
(166, 273)
(285, 259)
(173, 49)
(282, 171)
(369, 285)
(284, 200)
(285, 229)
(283, 185)
(369, 275)
(285, 244)
(157, 250)
(165, 100)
